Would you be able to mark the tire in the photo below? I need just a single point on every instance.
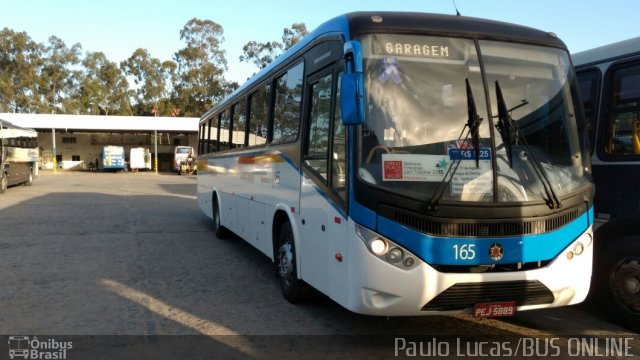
(220, 231)
(617, 282)
(30, 181)
(4, 183)
(293, 289)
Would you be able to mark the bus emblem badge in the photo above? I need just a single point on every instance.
(496, 252)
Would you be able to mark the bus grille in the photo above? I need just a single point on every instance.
(489, 227)
(466, 295)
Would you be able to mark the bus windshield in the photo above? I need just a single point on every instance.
(416, 138)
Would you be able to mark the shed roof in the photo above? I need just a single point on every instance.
(102, 123)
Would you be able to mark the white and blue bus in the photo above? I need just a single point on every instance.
(19, 155)
(609, 78)
(113, 158)
(408, 164)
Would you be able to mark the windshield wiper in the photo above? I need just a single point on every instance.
(473, 123)
(509, 131)
(503, 126)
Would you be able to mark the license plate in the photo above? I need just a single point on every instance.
(495, 309)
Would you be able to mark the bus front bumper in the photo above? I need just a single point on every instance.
(379, 288)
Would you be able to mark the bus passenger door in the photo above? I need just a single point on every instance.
(321, 208)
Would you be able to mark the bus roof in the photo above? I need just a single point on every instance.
(9, 130)
(606, 53)
(354, 24)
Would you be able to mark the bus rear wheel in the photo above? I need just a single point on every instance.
(293, 289)
(220, 231)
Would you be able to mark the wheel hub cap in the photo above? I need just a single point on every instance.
(286, 263)
(626, 283)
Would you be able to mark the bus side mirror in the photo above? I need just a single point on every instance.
(352, 85)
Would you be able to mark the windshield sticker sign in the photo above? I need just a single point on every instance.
(470, 179)
(414, 167)
(390, 70)
(469, 154)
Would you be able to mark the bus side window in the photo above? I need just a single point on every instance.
(288, 98)
(589, 83)
(238, 125)
(339, 142)
(210, 144)
(200, 138)
(622, 138)
(317, 151)
(224, 126)
(258, 117)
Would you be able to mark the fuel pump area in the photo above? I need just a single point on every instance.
(76, 142)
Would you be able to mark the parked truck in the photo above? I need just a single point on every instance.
(140, 159)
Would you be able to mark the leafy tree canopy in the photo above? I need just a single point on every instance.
(56, 78)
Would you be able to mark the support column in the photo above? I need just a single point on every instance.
(155, 143)
(53, 151)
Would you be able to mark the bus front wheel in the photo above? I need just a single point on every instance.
(4, 183)
(29, 182)
(618, 282)
(293, 289)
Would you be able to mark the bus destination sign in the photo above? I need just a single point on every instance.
(418, 46)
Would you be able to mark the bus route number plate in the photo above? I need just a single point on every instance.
(494, 309)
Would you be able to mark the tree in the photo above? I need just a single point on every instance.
(20, 59)
(154, 81)
(103, 88)
(201, 66)
(58, 83)
(291, 36)
(262, 54)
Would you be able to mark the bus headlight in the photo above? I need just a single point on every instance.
(578, 248)
(584, 241)
(378, 246)
(386, 250)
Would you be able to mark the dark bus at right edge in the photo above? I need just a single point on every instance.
(609, 78)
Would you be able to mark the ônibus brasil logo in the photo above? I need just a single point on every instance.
(32, 348)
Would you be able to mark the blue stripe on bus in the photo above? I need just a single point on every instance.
(326, 197)
(360, 214)
(441, 251)
(290, 162)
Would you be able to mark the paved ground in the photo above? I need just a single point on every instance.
(131, 254)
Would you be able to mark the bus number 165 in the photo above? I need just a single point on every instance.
(464, 252)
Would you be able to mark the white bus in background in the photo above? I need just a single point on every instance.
(609, 78)
(19, 155)
(181, 154)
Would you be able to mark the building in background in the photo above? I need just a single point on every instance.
(79, 139)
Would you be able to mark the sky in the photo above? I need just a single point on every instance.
(119, 27)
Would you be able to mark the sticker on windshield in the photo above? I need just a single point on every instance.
(390, 70)
(414, 167)
(471, 178)
(469, 154)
